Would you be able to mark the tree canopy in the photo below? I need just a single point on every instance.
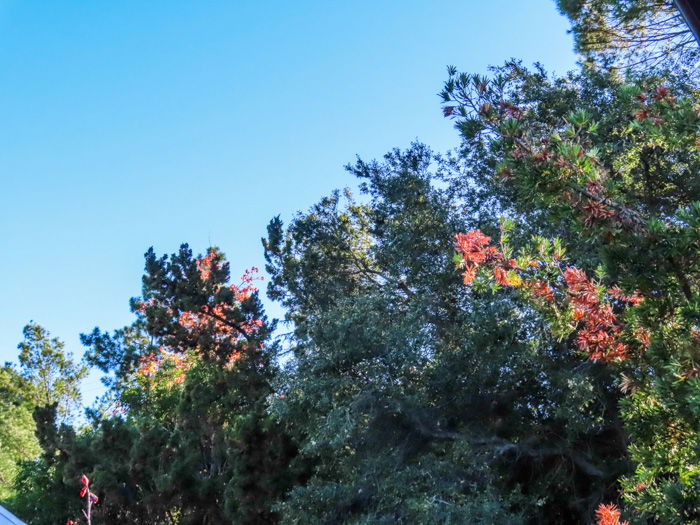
(504, 333)
(641, 34)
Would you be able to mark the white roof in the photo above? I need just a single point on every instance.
(7, 518)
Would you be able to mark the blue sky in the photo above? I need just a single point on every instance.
(129, 124)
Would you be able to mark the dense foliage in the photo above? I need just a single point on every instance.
(626, 183)
(16, 428)
(183, 434)
(420, 401)
(46, 380)
(507, 333)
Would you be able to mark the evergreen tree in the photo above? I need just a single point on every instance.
(47, 382)
(195, 442)
(418, 402)
(52, 372)
(613, 166)
(184, 434)
(638, 34)
(17, 440)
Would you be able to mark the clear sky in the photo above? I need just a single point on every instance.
(126, 124)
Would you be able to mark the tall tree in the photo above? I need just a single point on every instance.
(47, 382)
(17, 440)
(640, 34)
(612, 166)
(189, 437)
(52, 372)
(414, 401)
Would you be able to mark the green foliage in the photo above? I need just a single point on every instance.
(47, 380)
(399, 395)
(624, 199)
(641, 34)
(184, 435)
(50, 370)
(45, 487)
(414, 400)
(17, 441)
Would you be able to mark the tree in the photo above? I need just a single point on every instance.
(186, 436)
(17, 440)
(413, 401)
(612, 166)
(50, 370)
(643, 35)
(507, 333)
(44, 493)
(47, 381)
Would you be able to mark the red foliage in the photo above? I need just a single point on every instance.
(608, 515)
(598, 337)
(214, 320)
(504, 278)
(90, 499)
(542, 155)
(541, 289)
(598, 327)
(663, 95)
(152, 363)
(644, 336)
(635, 298)
(594, 187)
(207, 263)
(512, 110)
(595, 212)
(469, 273)
(472, 246)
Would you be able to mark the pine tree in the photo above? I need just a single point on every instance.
(639, 34)
(184, 434)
